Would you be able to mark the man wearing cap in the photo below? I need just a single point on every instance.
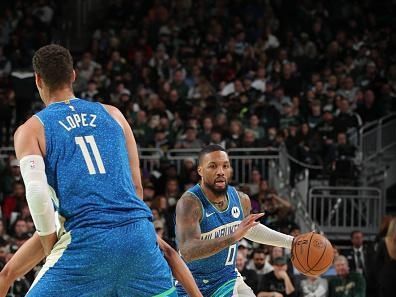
(288, 118)
(277, 283)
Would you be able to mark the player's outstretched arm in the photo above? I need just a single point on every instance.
(262, 234)
(179, 269)
(188, 231)
(24, 260)
(29, 143)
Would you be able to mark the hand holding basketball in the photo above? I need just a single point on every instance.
(312, 254)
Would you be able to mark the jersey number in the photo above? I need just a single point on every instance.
(81, 141)
(231, 255)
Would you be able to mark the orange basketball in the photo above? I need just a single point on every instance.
(312, 254)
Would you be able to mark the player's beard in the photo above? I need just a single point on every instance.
(216, 191)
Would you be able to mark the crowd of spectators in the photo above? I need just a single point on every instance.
(243, 74)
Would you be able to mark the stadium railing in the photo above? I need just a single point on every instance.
(339, 210)
(298, 195)
(243, 160)
(150, 158)
(376, 137)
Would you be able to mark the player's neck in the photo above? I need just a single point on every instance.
(58, 95)
(218, 200)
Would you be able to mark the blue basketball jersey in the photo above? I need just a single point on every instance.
(88, 167)
(216, 275)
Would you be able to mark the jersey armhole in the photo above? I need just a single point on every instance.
(46, 153)
(37, 117)
(200, 203)
(119, 124)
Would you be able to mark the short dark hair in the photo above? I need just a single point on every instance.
(210, 149)
(54, 64)
(355, 232)
(258, 251)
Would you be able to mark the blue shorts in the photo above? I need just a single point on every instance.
(120, 262)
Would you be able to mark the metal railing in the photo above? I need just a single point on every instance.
(388, 132)
(243, 160)
(340, 210)
(376, 137)
(150, 158)
(178, 156)
(280, 180)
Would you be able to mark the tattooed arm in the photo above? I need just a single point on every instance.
(188, 231)
(245, 202)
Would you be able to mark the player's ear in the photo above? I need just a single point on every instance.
(39, 81)
(73, 76)
(199, 169)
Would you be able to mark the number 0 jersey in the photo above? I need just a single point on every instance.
(216, 275)
(87, 165)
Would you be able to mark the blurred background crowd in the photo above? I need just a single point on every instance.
(243, 74)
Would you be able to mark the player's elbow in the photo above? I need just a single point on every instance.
(36, 192)
(168, 251)
(7, 275)
(186, 254)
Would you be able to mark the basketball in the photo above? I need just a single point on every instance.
(312, 254)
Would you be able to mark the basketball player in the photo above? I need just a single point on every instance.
(81, 153)
(211, 218)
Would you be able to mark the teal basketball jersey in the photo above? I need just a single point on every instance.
(216, 275)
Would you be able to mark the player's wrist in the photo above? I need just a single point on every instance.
(234, 238)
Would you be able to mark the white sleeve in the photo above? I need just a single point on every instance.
(264, 235)
(38, 194)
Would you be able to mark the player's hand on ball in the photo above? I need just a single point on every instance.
(246, 224)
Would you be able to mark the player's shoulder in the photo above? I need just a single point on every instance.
(116, 114)
(245, 202)
(243, 196)
(111, 109)
(30, 127)
(189, 207)
(188, 201)
(29, 138)
(189, 196)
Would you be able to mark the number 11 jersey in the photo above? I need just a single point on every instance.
(87, 165)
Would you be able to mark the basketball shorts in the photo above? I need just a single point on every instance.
(120, 262)
(234, 287)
